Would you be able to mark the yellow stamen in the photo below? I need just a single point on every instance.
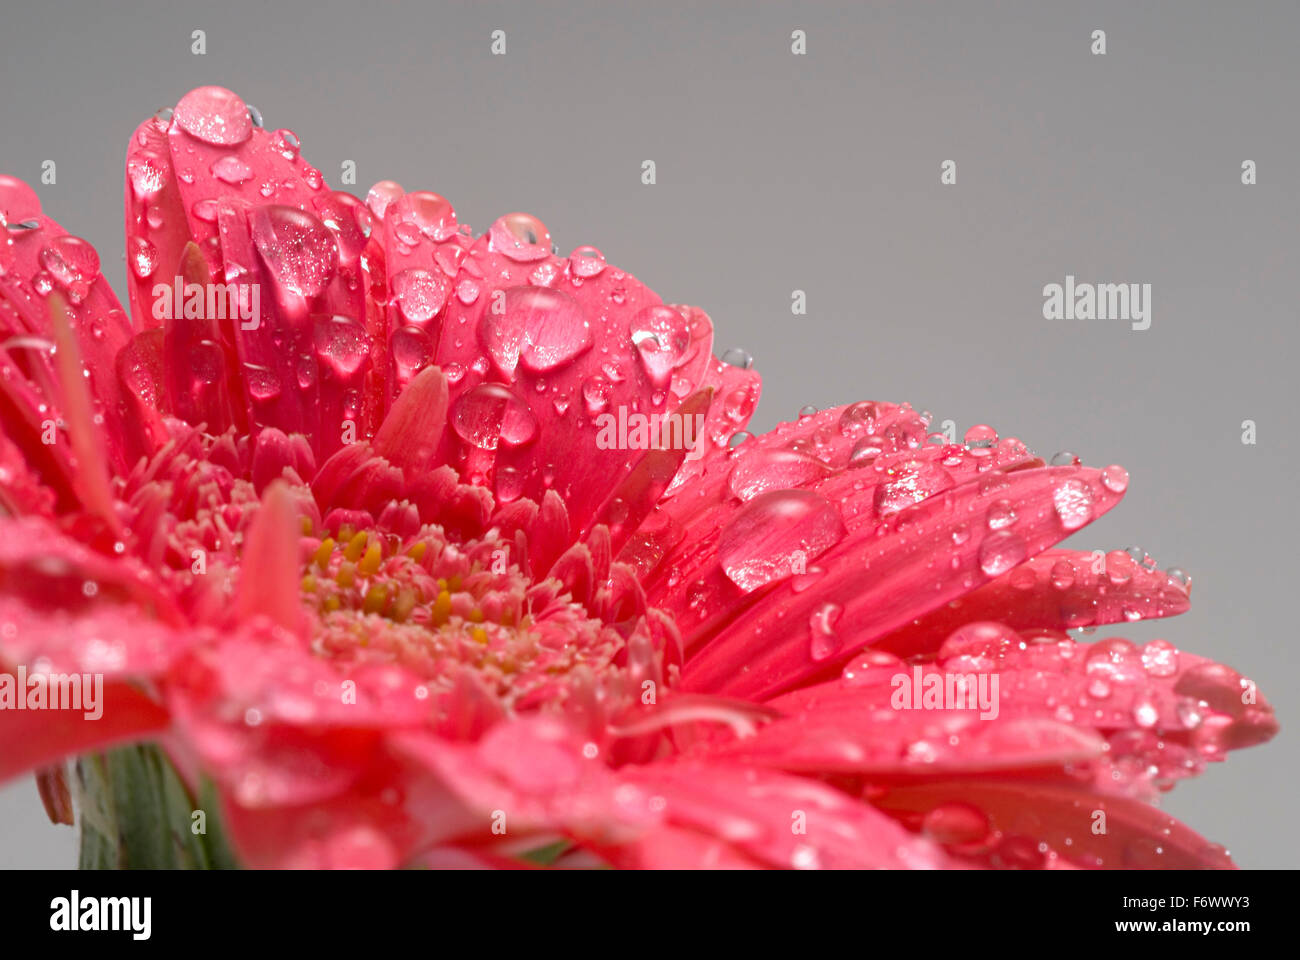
(347, 574)
(441, 610)
(323, 553)
(369, 564)
(376, 599)
(356, 546)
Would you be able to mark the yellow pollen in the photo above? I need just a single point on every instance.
(309, 584)
(441, 608)
(322, 555)
(479, 635)
(369, 564)
(376, 599)
(355, 547)
(476, 615)
(417, 551)
(347, 574)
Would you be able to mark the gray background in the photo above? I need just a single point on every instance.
(821, 173)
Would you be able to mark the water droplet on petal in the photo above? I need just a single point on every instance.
(870, 666)
(1062, 574)
(1160, 658)
(1000, 552)
(489, 414)
(230, 169)
(411, 351)
(70, 260)
(143, 257)
(586, 262)
(148, 175)
(298, 249)
(214, 115)
(759, 544)
(825, 642)
(1115, 478)
(342, 345)
(381, 195)
(908, 483)
(662, 338)
(765, 470)
(859, 418)
(735, 357)
(1073, 502)
(980, 439)
(521, 237)
(595, 394)
(420, 294)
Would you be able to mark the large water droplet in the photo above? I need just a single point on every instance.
(766, 470)
(1160, 658)
(761, 542)
(910, 482)
(143, 257)
(543, 328)
(586, 262)
(148, 175)
(1073, 502)
(70, 260)
(980, 439)
(296, 247)
(214, 115)
(411, 351)
(342, 345)
(1000, 552)
(429, 213)
(420, 294)
(1115, 478)
(521, 237)
(489, 414)
(381, 195)
(230, 169)
(662, 337)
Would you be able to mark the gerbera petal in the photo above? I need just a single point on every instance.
(41, 259)
(779, 820)
(1026, 824)
(35, 738)
(1058, 590)
(880, 578)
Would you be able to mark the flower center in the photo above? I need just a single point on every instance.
(437, 607)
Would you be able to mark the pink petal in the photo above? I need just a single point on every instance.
(884, 576)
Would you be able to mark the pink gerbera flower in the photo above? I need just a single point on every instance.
(412, 547)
